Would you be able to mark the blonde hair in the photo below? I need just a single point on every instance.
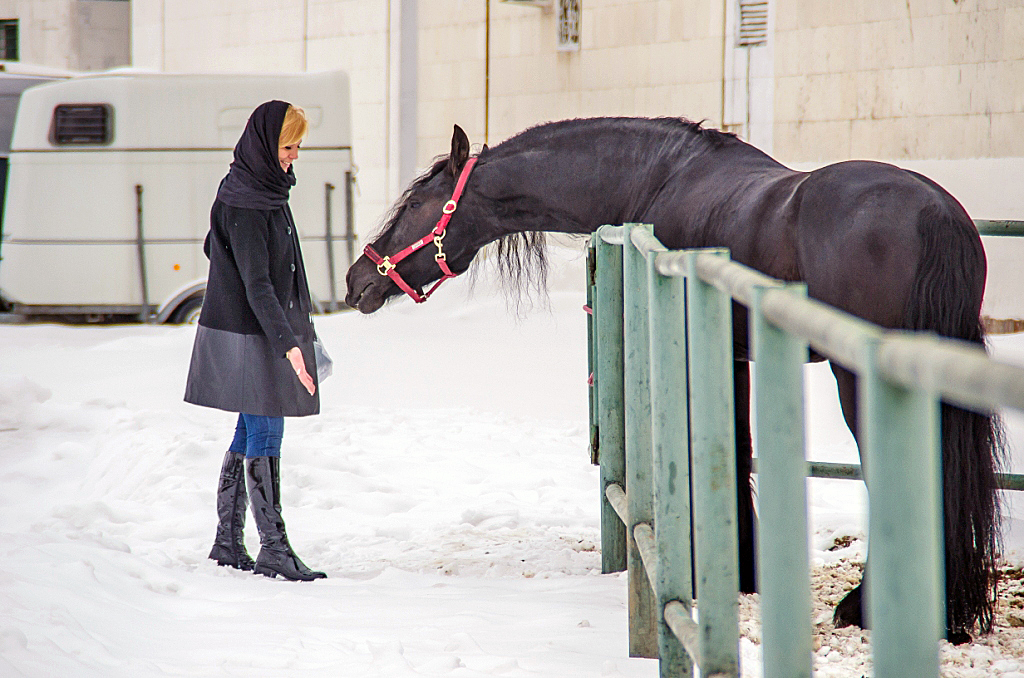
(294, 128)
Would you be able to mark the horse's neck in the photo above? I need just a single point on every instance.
(570, 192)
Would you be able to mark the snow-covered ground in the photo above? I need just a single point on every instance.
(446, 489)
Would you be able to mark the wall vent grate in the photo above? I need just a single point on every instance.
(568, 25)
(753, 28)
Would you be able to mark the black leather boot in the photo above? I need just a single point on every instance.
(229, 545)
(276, 556)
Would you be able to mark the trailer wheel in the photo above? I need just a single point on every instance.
(188, 312)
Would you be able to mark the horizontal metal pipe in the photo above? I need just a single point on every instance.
(645, 242)
(835, 471)
(643, 534)
(613, 235)
(736, 279)
(617, 498)
(827, 469)
(838, 335)
(958, 371)
(989, 227)
(1010, 481)
(686, 630)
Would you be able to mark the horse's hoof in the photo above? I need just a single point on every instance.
(958, 637)
(849, 611)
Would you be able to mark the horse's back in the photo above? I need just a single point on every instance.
(867, 232)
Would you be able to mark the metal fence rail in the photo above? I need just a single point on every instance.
(663, 409)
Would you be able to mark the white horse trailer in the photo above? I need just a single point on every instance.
(112, 177)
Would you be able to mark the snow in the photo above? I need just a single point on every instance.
(446, 489)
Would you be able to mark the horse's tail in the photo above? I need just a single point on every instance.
(946, 299)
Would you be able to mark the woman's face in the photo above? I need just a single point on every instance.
(286, 155)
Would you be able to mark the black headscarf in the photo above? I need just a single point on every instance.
(255, 179)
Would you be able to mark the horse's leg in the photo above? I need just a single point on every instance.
(849, 611)
(744, 493)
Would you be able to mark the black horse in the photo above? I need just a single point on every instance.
(882, 243)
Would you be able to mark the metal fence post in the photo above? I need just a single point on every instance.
(610, 421)
(713, 441)
(671, 468)
(783, 563)
(643, 615)
(595, 447)
(900, 433)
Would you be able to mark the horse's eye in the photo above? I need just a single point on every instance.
(413, 204)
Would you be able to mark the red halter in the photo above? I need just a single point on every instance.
(386, 265)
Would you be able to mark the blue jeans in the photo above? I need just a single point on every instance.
(258, 436)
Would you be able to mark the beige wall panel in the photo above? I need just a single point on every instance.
(653, 102)
(786, 134)
(789, 99)
(872, 11)
(702, 62)
(1006, 136)
(666, 61)
(701, 101)
(607, 102)
(1012, 45)
(931, 41)
(829, 139)
(889, 138)
(699, 20)
(787, 17)
(790, 56)
(997, 87)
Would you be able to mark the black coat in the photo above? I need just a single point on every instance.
(257, 304)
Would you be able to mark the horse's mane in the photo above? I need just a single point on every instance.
(687, 130)
(520, 258)
(392, 215)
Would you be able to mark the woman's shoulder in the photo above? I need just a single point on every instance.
(231, 214)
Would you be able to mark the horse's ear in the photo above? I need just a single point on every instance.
(460, 152)
(484, 148)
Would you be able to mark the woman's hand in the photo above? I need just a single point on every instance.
(294, 356)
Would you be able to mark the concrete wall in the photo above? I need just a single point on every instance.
(279, 36)
(72, 34)
(101, 34)
(935, 85)
(637, 58)
(901, 80)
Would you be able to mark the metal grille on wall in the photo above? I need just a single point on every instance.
(568, 25)
(753, 25)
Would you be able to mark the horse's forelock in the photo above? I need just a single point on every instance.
(392, 215)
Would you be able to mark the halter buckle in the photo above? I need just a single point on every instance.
(449, 207)
(385, 266)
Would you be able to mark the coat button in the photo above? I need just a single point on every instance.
(293, 268)
(289, 230)
(290, 304)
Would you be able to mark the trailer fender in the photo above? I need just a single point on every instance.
(196, 288)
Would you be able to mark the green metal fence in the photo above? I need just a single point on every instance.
(663, 415)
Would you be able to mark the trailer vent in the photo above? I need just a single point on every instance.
(753, 24)
(82, 124)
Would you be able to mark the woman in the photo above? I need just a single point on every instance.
(253, 351)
